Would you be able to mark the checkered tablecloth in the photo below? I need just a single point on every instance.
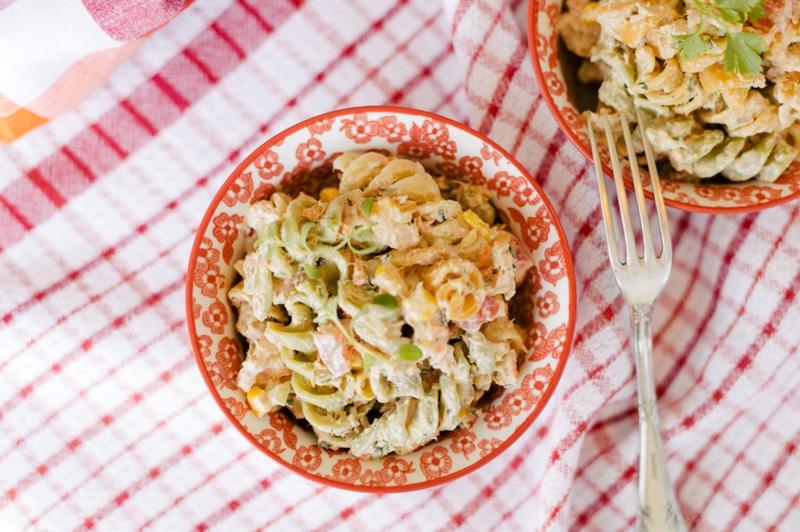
(105, 421)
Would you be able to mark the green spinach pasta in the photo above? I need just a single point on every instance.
(718, 81)
(378, 312)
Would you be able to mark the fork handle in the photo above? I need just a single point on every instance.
(658, 509)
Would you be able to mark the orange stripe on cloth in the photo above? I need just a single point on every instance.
(19, 123)
(66, 92)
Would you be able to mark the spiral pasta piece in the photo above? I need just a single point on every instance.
(455, 395)
(359, 169)
(782, 54)
(458, 287)
(504, 330)
(394, 171)
(329, 398)
(335, 423)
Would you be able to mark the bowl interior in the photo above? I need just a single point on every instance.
(555, 69)
(298, 159)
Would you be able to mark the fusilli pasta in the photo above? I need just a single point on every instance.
(378, 312)
(703, 119)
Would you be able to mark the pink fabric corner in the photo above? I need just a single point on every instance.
(126, 20)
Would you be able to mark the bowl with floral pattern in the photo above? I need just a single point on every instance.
(297, 159)
(555, 70)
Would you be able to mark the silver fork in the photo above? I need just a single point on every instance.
(641, 279)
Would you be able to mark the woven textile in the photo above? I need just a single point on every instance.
(54, 53)
(104, 419)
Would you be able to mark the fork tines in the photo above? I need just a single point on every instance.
(627, 228)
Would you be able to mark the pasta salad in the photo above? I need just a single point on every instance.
(718, 80)
(379, 311)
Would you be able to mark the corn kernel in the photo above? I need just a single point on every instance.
(590, 11)
(428, 296)
(474, 221)
(256, 402)
(327, 194)
(364, 387)
(428, 310)
(357, 362)
(408, 207)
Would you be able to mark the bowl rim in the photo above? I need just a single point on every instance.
(562, 359)
(533, 33)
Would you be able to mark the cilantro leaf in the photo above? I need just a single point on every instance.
(743, 53)
(739, 10)
(731, 15)
(691, 45)
(743, 50)
(757, 12)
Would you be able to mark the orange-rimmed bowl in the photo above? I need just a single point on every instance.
(295, 160)
(550, 66)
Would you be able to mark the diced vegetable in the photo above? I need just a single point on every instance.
(385, 300)
(409, 352)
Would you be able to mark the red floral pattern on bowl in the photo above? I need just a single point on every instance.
(709, 198)
(297, 158)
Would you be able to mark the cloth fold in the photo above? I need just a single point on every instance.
(105, 421)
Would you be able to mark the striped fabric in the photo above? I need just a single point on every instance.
(105, 422)
(54, 53)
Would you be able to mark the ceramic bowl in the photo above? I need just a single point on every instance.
(555, 70)
(296, 159)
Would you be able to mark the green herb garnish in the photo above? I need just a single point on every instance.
(743, 49)
(409, 352)
(385, 300)
(743, 53)
(740, 10)
(691, 45)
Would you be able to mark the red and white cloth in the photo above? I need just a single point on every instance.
(54, 53)
(105, 421)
